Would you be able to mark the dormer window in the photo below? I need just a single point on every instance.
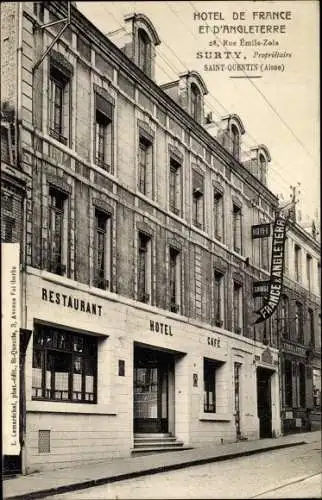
(144, 52)
(235, 138)
(262, 168)
(195, 102)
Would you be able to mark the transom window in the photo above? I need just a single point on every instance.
(64, 366)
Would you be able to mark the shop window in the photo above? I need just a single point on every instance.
(297, 262)
(210, 367)
(288, 391)
(175, 186)
(57, 231)
(144, 52)
(175, 280)
(219, 301)
(64, 366)
(237, 307)
(218, 216)
(144, 268)
(103, 133)
(197, 200)
(299, 330)
(59, 105)
(102, 250)
(237, 229)
(145, 166)
(302, 384)
(195, 102)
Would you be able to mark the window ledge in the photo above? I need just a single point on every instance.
(221, 417)
(62, 407)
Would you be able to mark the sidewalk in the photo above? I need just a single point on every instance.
(57, 481)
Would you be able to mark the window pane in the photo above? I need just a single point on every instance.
(57, 375)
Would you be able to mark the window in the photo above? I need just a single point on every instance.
(175, 278)
(219, 298)
(297, 262)
(63, 366)
(103, 134)
(264, 252)
(309, 271)
(195, 102)
(311, 327)
(174, 187)
(57, 232)
(11, 215)
(284, 317)
(237, 229)
(209, 369)
(286, 255)
(102, 250)
(302, 384)
(288, 385)
(59, 104)
(144, 52)
(299, 332)
(197, 200)
(237, 307)
(218, 216)
(262, 168)
(145, 166)
(235, 141)
(144, 268)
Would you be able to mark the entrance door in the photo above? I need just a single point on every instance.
(150, 389)
(264, 403)
(237, 398)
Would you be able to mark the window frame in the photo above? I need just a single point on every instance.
(47, 353)
(210, 367)
(237, 229)
(235, 141)
(144, 262)
(299, 326)
(59, 267)
(59, 80)
(195, 102)
(102, 277)
(238, 309)
(219, 216)
(297, 263)
(174, 279)
(175, 186)
(144, 52)
(219, 291)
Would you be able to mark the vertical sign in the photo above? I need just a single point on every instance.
(10, 324)
(277, 268)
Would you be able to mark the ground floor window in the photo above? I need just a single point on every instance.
(288, 382)
(210, 367)
(64, 366)
(302, 384)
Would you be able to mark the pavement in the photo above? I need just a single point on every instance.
(53, 482)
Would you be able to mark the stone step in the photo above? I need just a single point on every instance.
(146, 451)
(158, 444)
(156, 439)
(151, 434)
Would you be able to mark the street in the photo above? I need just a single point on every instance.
(287, 473)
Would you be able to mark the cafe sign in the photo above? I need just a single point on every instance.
(261, 231)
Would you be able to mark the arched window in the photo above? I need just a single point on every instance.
(262, 168)
(144, 52)
(235, 141)
(195, 102)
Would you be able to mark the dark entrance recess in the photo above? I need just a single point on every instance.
(150, 391)
(264, 402)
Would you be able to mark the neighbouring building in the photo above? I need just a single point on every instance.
(299, 327)
(137, 258)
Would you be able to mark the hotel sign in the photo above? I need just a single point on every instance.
(10, 325)
(277, 269)
(261, 231)
(294, 349)
(260, 288)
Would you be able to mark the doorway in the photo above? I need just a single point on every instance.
(264, 402)
(151, 390)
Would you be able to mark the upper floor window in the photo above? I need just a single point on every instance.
(309, 271)
(197, 199)
(145, 166)
(219, 301)
(174, 187)
(286, 255)
(311, 326)
(299, 331)
(235, 138)
(102, 250)
(144, 52)
(64, 365)
(195, 102)
(57, 231)
(283, 328)
(237, 307)
(297, 262)
(175, 280)
(11, 216)
(103, 133)
(59, 105)
(218, 216)
(237, 229)
(144, 268)
(264, 249)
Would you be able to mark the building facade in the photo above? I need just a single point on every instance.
(299, 326)
(137, 259)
